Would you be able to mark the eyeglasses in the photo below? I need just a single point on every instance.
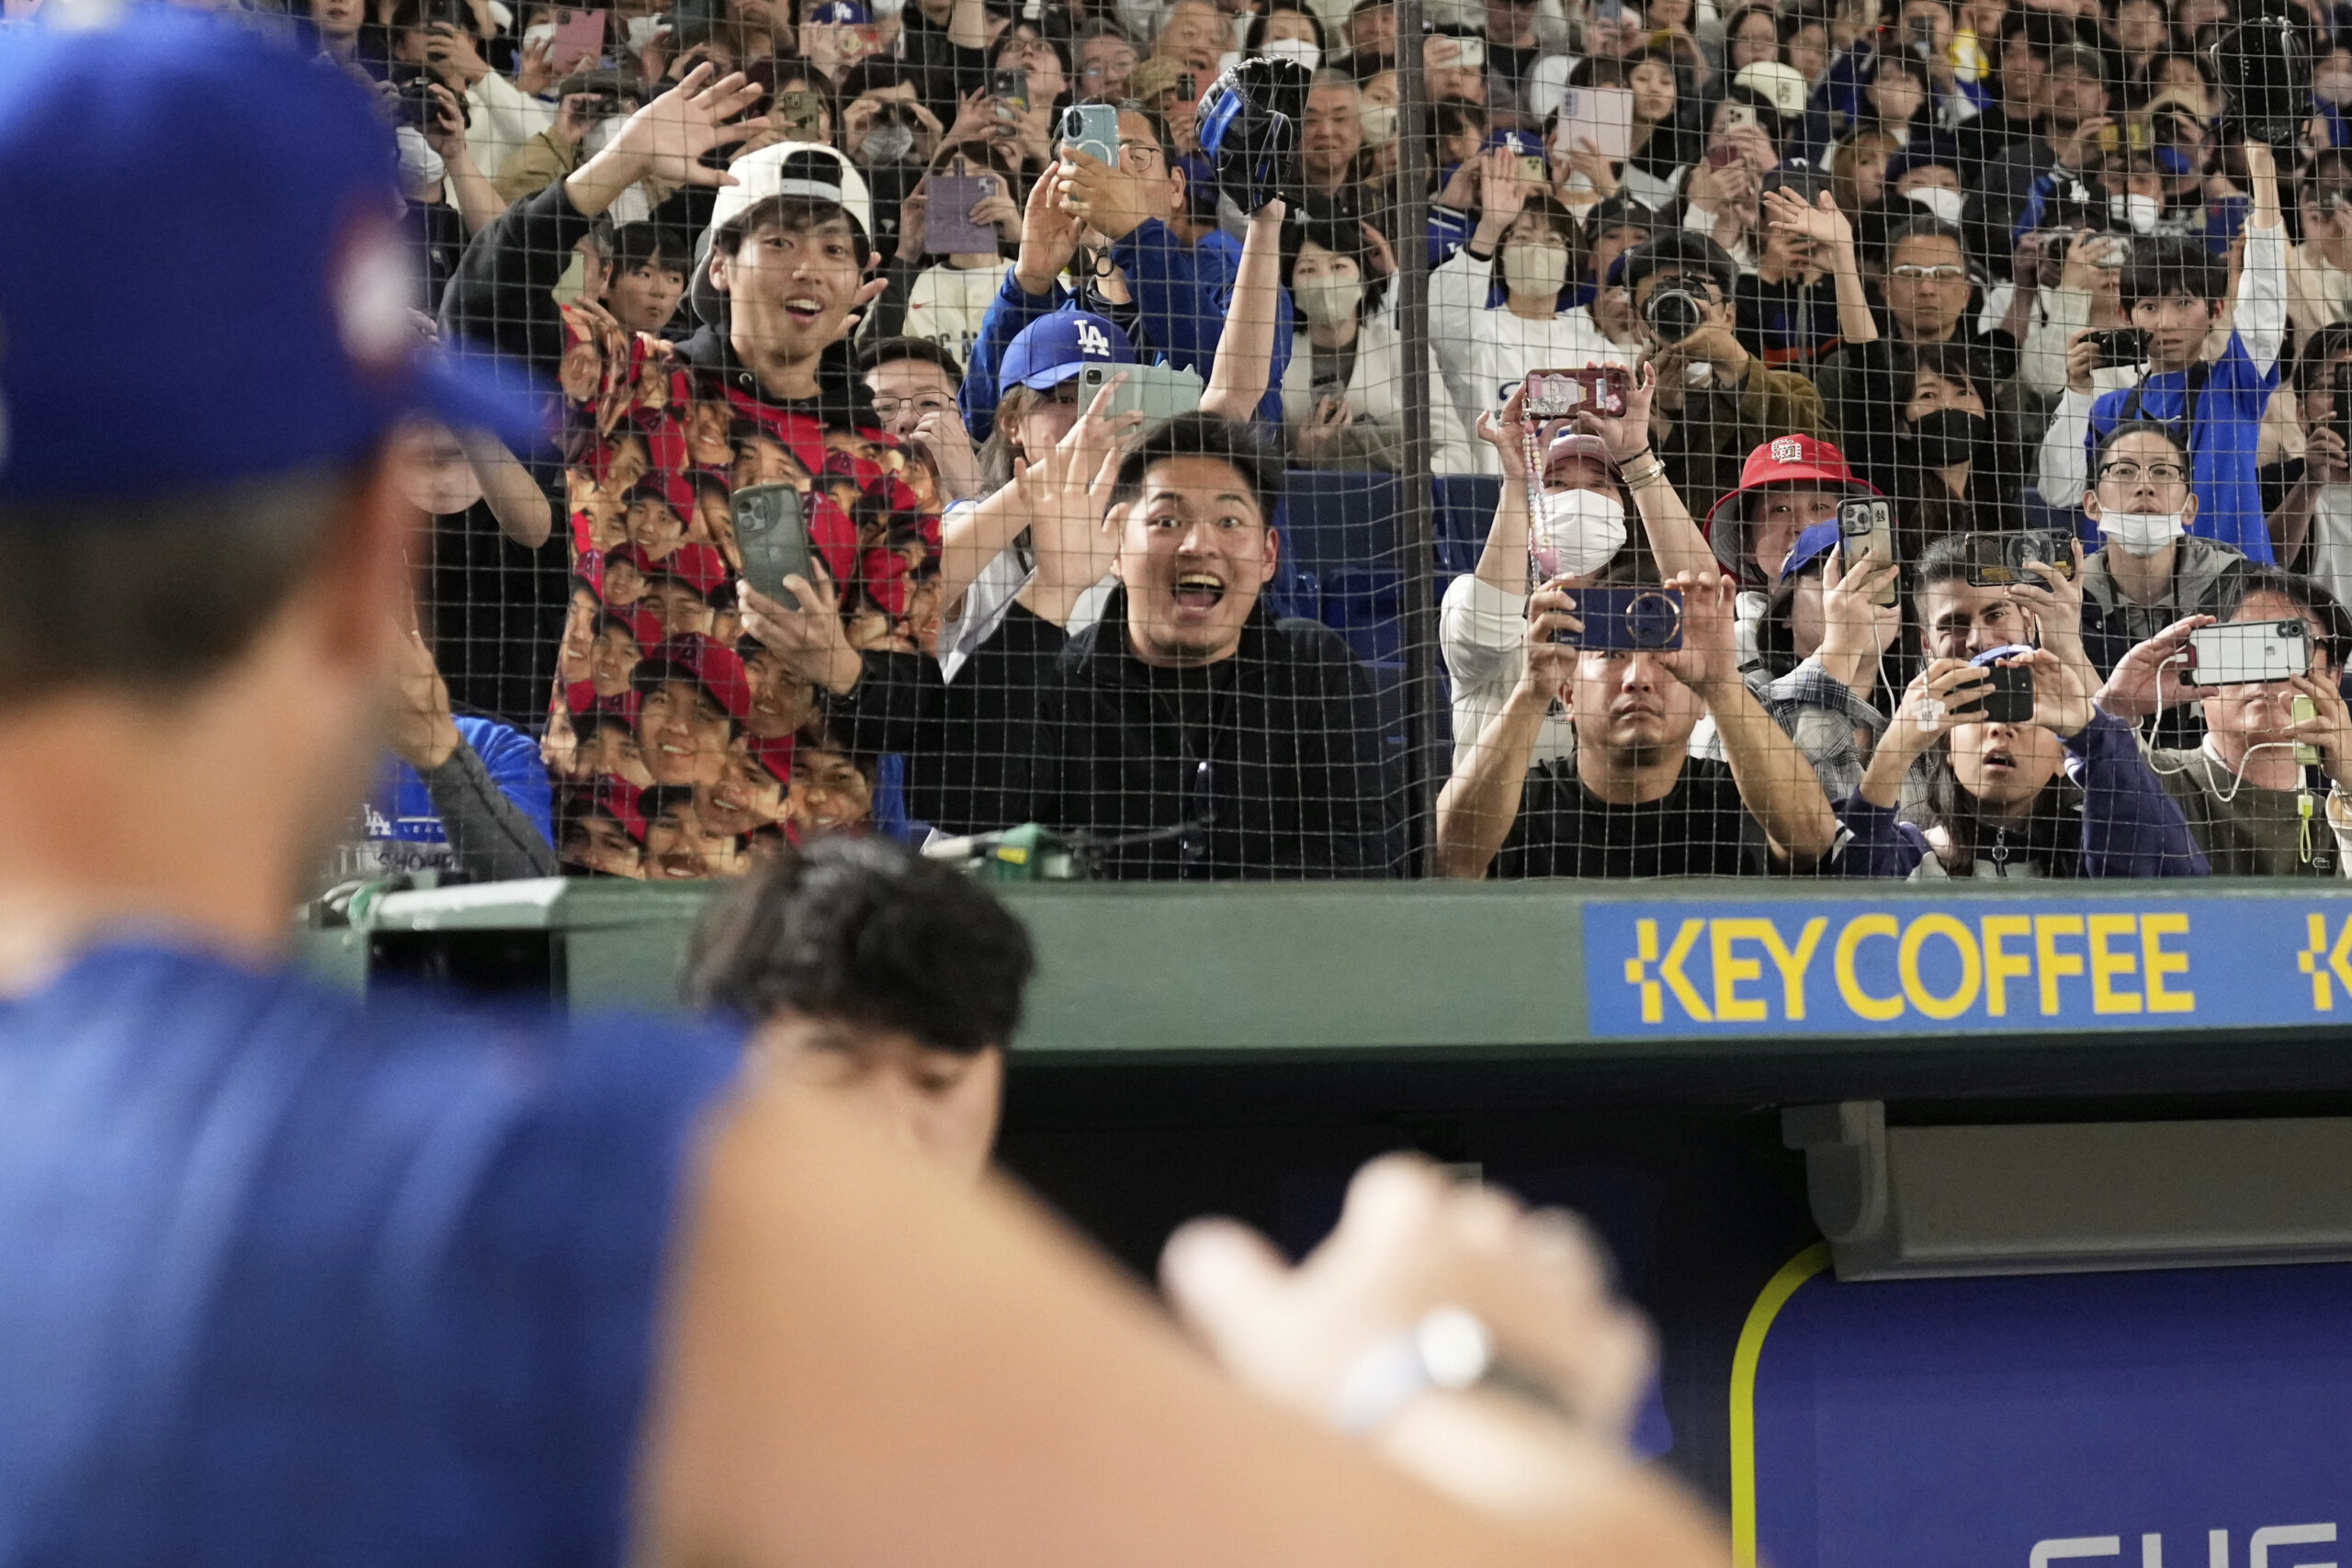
(926, 402)
(1139, 156)
(2157, 473)
(1910, 273)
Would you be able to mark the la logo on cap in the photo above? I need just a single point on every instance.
(1091, 342)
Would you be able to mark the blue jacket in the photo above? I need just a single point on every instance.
(2130, 827)
(1182, 294)
(2223, 447)
(401, 808)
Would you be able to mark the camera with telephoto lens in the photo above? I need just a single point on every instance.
(412, 87)
(1248, 124)
(2265, 67)
(1674, 312)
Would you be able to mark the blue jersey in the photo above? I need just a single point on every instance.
(2223, 445)
(286, 1281)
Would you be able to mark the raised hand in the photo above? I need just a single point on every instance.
(667, 138)
(1786, 213)
(2062, 701)
(1048, 236)
(1710, 653)
(809, 635)
(1551, 663)
(1628, 434)
(1067, 493)
(1508, 435)
(2147, 679)
(941, 435)
(534, 73)
(1110, 200)
(2329, 728)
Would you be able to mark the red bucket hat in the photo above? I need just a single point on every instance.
(1795, 459)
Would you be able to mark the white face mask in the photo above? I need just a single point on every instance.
(600, 135)
(1583, 533)
(2140, 211)
(1326, 301)
(641, 30)
(1534, 269)
(2141, 533)
(1944, 203)
(542, 34)
(422, 170)
(1296, 49)
(1379, 122)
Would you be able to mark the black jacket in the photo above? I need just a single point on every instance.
(843, 401)
(970, 744)
(501, 296)
(1295, 783)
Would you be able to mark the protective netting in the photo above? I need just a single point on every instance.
(1137, 527)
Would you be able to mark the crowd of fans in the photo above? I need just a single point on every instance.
(2014, 267)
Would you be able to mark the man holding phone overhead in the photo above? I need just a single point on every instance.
(1632, 801)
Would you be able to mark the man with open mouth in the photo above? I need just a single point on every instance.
(1242, 746)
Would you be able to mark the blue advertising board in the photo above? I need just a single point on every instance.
(2142, 961)
(2190, 1418)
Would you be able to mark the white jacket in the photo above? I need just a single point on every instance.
(1375, 391)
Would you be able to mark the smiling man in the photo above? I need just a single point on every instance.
(1244, 746)
(693, 698)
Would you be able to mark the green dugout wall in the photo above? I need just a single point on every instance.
(1969, 1076)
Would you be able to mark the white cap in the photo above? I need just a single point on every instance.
(758, 176)
(1784, 84)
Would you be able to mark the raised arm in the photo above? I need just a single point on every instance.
(2260, 316)
(516, 501)
(1675, 540)
(1776, 781)
(1828, 227)
(1244, 365)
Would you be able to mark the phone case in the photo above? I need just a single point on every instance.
(1092, 128)
(775, 543)
(948, 226)
(1867, 525)
(579, 40)
(2247, 651)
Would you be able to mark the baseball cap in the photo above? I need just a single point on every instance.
(690, 656)
(1784, 84)
(1571, 444)
(809, 170)
(668, 489)
(1618, 212)
(775, 754)
(698, 566)
(642, 625)
(175, 330)
(1811, 548)
(1052, 349)
(843, 13)
(2079, 56)
(617, 798)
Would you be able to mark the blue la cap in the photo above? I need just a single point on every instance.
(211, 283)
(845, 12)
(1813, 548)
(1052, 349)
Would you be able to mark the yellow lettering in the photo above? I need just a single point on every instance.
(2155, 962)
(2001, 967)
(2340, 957)
(1906, 964)
(1861, 929)
(1793, 966)
(2055, 964)
(2106, 966)
(1730, 1006)
(1637, 972)
(1676, 980)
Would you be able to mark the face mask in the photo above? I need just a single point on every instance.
(1379, 122)
(1296, 49)
(885, 9)
(887, 143)
(1944, 203)
(542, 34)
(422, 170)
(2333, 88)
(641, 30)
(1534, 269)
(1326, 301)
(2141, 533)
(1584, 530)
(1946, 436)
(2140, 211)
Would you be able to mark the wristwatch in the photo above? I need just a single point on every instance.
(1448, 1350)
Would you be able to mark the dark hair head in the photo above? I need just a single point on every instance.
(650, 244)
(2164, 265)
(1682, 250)
(2305, 594)
(1256, 38)
(2134, 427)
(1340, 237)
(1925, 224)
(154, 598)
(865, 932)
(1204, 436)
(2330, 342)
(1768, 113)
(883, 351)
(1944, 561)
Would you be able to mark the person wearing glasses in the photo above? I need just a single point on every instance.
(2150, 573)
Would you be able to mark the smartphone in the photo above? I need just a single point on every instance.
(1997, 561)
(1867, 525)
(2247, 651)
(1010, 87)
(949, 228)
(1626, 620)
(2302, 710)
(2118, 345)
(1472, 55)
(1188, 88)
(1737, 115)
(1162, 391)
(2009, 697)
(1563, 394)
(579, 40)
(1092, 128)
(1609, 11)
(1602, 115)
(774, 539)
(801, 110)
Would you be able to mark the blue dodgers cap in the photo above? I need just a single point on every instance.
(209, 282)
(1811, 548)
(1052, 349)
(847, 13)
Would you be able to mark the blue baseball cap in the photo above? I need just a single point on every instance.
(1052, 349)
(847, 13)
(1811, 548)
(209, 283)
